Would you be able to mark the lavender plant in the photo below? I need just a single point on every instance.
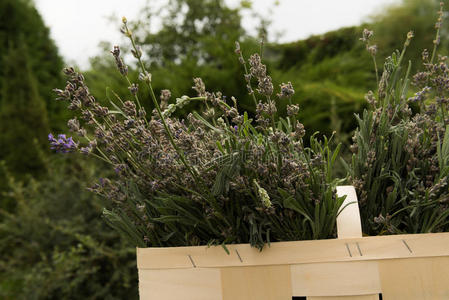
(400, 164)
(215, 176)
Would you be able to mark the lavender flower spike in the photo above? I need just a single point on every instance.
(62, 144)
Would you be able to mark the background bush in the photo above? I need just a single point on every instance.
(56, 245)
(30, 67)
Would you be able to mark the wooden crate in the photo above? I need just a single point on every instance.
(352, 267)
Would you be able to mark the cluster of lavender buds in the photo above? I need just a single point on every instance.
(62, 144)
(366, 37)
(287, 90)
(259, 71)
(421, 95)
(118, 60)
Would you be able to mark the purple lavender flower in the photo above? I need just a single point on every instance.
(62, 144)
(120, 168)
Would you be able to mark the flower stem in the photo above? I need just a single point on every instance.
(191, 170)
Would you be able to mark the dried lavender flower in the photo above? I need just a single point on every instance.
(366, 36)
(199, 87)
(73, 125)
(137, 53)
(420, 95)
(286, 90)
(372, 49)
(145, 76)
(292, 110)
(134, 88)
(119, 61)
(129, 108)
(369, 97)
(165, 97)
(259, 71)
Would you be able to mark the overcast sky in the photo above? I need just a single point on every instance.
(78, 26)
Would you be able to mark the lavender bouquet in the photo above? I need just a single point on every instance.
(215, 176)
(400, 165)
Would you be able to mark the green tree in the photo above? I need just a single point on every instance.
(19, 19)
(391, 26)
(56, 245)
(23, 117)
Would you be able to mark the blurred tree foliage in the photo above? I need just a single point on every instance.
(392, 25)
(30, 68)
(19, 19)
(56, 246)
(24, 124)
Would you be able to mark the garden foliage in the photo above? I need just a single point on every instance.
(30, 130)
(56, 245)
(21, 23)
(23, 121)
(29, 69)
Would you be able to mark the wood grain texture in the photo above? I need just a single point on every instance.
(415, 278)
(362, 297)
(336, 279)
(256, 283)
(348, 220)
(186, 284)
(371, 248)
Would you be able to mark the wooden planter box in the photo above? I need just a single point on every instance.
(352, 267)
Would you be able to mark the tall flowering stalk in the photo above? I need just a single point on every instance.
(215, 176)
(400, 164)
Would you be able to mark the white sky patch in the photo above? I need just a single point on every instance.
(78, 26)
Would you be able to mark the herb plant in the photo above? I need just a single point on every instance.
(216, 176)
(400, 164)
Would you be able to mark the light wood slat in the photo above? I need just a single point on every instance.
(371, 248)
(415, 279)
(362, 297)
(186, 284)
(336, 279)
(348, 220)
(340, 280)
(256, 283)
